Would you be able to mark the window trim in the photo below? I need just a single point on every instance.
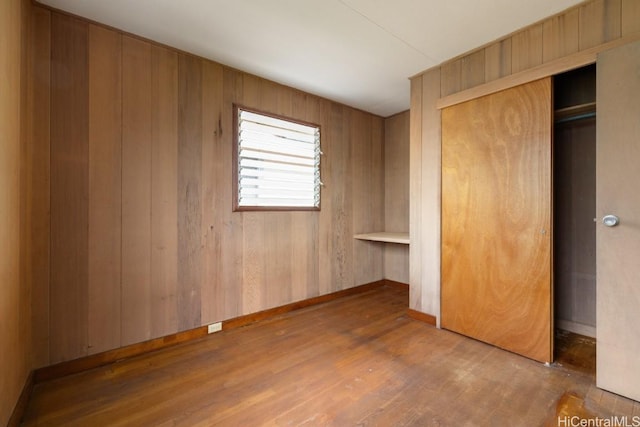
(236, 206)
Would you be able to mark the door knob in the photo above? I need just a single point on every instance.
(610, 220)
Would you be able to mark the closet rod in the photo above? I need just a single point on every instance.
(576, 117)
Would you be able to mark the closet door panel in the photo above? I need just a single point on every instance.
(618, 247)
(496, 227)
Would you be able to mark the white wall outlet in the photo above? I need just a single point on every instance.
(214, 327)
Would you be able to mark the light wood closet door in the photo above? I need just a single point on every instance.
(496, 229)
(618, 248)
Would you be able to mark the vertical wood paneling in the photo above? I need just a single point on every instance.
(38, 128)
(472, 69)
(361, 153)
(230, 234)
(164, 192)
(600, 22)
(277, 240)
(451, 77)
(341, 255)
(254, 285)
(105, 173)
(189, 190)
(396, 194)
(366, 152)
(277, 231)
(415, 194)
(254, 269)
(69, 188)
(325, 233)
(560, 35)
(630, 17)
(304, 225)
(16, 197)
(431, 195)
(497, 60)
(136, 190)
(526, 49)
(212, 292)
(186, 258)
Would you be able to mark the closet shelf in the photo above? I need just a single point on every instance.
(385, 236)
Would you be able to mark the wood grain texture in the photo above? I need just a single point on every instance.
(136, 191)
(472, 69)
(93, 361)
(341, 212)
(363, 350)
(325, 218)
(451, 80)
(186, 258)
(418, 315)
(366, 177)
(69, 188)
(590, 25)
(561, 35)
(630, 17)
(230, 226)
(526, 51)
(305, 225)
(16, 208)
(15, 420)
(38, 128)
(105, 188)
(497, 60)
(600, 22)
(164, 192)
(415, 193)
(396, 194)
(76, 366)
(496, 229)
(189, 190)
(212, 308)
(617, 248)
(431, 195)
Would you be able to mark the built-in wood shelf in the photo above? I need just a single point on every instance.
(384, 236)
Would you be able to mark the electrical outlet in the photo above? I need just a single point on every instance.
(214, 327)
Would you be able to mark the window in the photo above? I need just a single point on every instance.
(276, 162)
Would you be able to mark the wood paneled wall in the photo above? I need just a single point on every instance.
(15, 208)
(425, 200)
(583, 27)
(396, 194)
(144, 242)
(556, 44)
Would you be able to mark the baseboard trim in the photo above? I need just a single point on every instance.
(423, 317)
(21, 404)
(397, 285)
(576, 328)
(248, 319)
(74, 366)
(100, 359)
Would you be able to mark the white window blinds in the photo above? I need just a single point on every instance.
(278, 162)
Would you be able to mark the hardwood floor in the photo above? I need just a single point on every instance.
(359, 360)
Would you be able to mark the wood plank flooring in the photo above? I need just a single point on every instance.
(358, 360)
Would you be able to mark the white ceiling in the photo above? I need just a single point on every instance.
(358, 52)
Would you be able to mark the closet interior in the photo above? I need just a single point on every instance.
(574, 201)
